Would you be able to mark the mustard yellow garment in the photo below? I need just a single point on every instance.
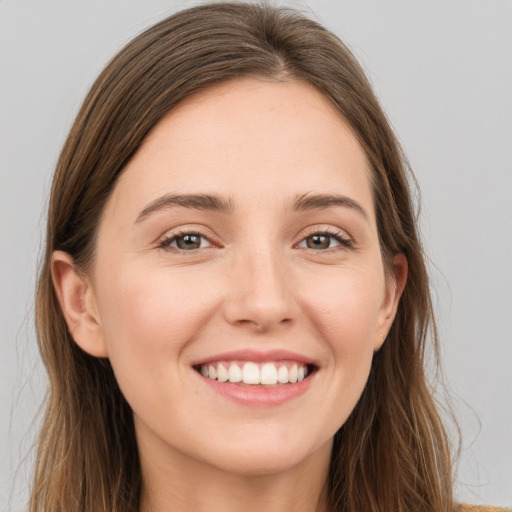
(476, 508)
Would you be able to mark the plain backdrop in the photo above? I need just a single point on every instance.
(443, 71)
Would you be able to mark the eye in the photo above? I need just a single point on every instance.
(325, 240)
(186, 242)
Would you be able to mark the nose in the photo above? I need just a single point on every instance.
(261, 296)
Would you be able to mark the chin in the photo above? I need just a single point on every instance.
(260, 463)
(266, 455)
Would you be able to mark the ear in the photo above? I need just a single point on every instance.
(78, 304)
(395, 284)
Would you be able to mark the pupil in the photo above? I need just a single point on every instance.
(318, 242)
(189, 242)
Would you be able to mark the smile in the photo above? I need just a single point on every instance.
(255, 374)
(254, 378)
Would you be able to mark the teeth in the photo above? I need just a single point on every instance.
(292, 374)
(222, 373)
(267, 374)
(235, 373)
(282, 375)
(250, 373)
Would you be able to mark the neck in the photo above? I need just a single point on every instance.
(183, 484)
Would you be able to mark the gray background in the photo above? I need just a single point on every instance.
(443, 72)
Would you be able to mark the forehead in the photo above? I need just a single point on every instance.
(251, 139)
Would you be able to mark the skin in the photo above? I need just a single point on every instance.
(254, 283)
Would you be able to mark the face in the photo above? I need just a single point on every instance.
(240, 242)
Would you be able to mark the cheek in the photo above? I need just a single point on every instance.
(346, 311)
(148, 319)
(342, 306)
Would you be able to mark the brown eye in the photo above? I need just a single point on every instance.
(323, 241)
(187, 242)
(318, 241)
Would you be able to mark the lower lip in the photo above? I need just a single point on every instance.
(258, 395)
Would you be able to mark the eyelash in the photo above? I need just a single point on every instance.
(165, 244)
(344, 241)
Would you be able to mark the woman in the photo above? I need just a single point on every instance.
(233, 298)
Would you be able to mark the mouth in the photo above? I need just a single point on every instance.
(254, 373)
(252, 378)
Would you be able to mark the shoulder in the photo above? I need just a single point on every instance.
(477, 508)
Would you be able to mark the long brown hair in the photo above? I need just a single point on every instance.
(392, 453)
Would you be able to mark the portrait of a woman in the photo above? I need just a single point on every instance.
(233, 306)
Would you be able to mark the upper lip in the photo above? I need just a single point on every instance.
(257, 356)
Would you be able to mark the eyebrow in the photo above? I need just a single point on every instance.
(311, 201)
(216, 203)
(210, 202)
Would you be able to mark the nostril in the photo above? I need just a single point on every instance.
(260, 303)
(262, 324)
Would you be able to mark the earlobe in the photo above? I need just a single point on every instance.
(394, 287)
(78, 304)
